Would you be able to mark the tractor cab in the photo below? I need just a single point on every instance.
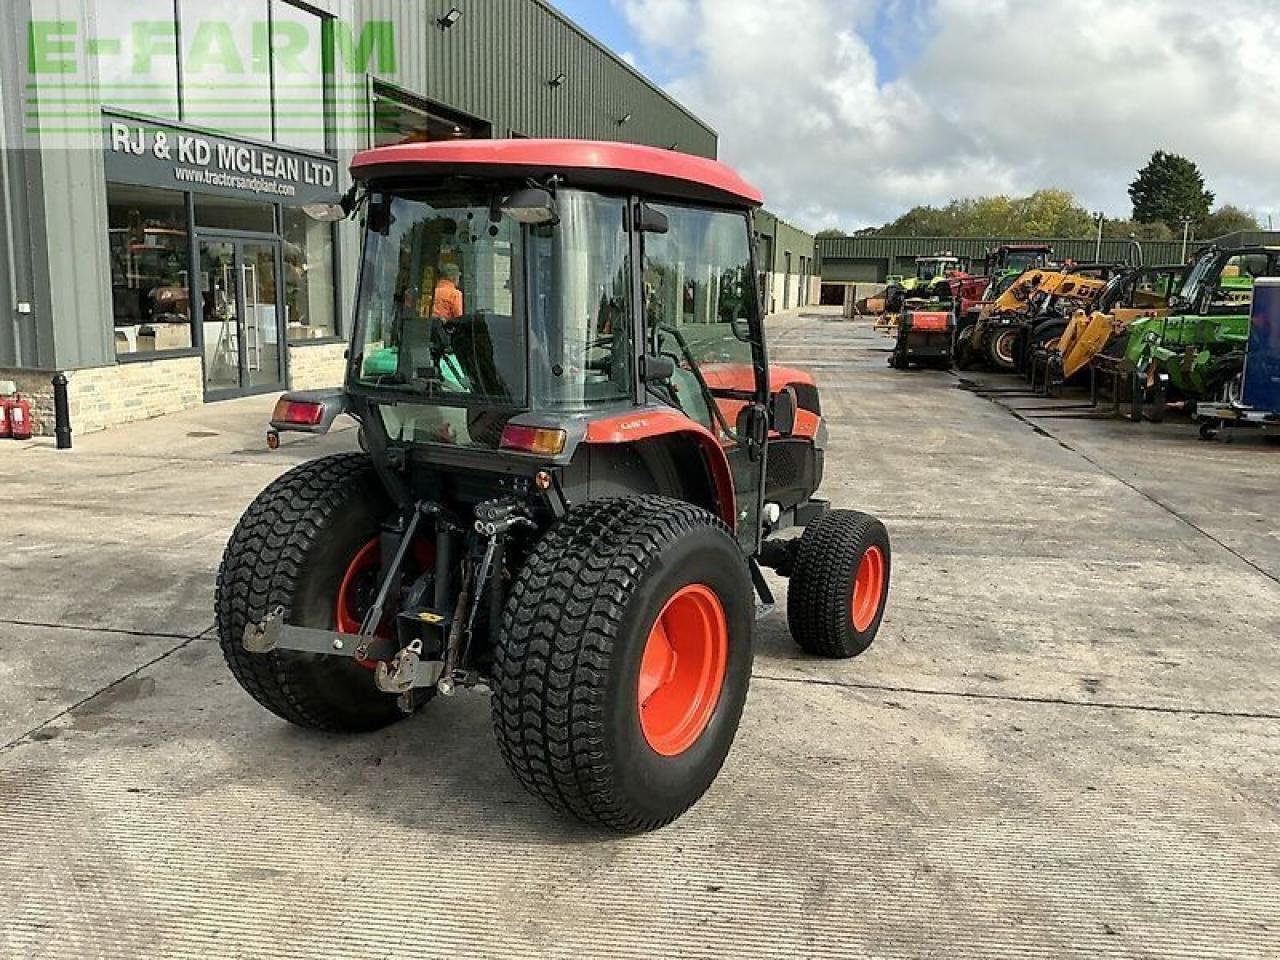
(488, 298)
(1017, 258)
(1220, 281)
(929, 269)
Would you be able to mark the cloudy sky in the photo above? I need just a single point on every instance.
(848, 112)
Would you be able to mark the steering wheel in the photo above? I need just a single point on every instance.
(580, 357)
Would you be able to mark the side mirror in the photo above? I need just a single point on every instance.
(753, 429)
(784, 412)
(649, 220)
(334, 212)
(533, 206)
(655, 369)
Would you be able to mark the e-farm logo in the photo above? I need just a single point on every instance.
(240, 69)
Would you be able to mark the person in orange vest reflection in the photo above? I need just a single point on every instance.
(447, 303)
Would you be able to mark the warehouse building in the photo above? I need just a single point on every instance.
(788, 262)
(848, 262)
(157, 154)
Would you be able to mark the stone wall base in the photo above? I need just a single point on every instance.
(102, 397)
(317, 366)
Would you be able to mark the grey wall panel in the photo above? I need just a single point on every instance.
(25, 339)
(496, 64)
(75, 215)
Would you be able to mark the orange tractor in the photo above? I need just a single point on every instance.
(579, 459)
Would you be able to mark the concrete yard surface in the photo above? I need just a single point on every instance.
(1064, 743)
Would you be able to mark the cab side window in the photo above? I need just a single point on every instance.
(700, 295)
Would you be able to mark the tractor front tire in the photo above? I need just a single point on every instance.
(294, 549)
(1002, 349)
(839, 584)
(623, 661)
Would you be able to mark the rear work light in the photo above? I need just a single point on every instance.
(300, 413)
(539, 440)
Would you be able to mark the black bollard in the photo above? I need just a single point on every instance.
(61, 412)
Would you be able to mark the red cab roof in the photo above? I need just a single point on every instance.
(586, 163)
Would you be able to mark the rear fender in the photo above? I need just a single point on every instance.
(646, 427)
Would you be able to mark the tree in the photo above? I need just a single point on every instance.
(830, 233)
(1120, 229)
(1045, 213)
(1168, 189)
(1227, 219)
(1051, 213)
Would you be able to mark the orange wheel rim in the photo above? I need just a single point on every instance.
(356, 584)
(868, 586)
(359, 586)
(682, 670)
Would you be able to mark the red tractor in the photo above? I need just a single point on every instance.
(578, 461)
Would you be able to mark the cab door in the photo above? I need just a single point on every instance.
(701, 311)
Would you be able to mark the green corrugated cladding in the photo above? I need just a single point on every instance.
(853, 271)
(497, 62)
(1250, 238)
(834, 249)
(784, 238)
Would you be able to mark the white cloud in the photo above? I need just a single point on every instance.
(1004, 96)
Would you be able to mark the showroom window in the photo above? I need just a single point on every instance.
(226, 68)
(310, 293)
(399, 118)
(150, 253)
(255, 68)
(242, 216)
(138, 69)
(298, 40)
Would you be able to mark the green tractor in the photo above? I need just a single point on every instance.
(929, 270)
(1191, 354)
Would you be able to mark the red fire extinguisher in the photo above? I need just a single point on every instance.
(20, 418)
(6, 431)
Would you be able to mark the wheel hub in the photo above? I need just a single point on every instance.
(682, 670)
(868, 586)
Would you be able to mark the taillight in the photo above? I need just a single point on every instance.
(539, 440)
(299, 413)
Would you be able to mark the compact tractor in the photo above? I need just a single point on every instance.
(578, 461)
(929, 280)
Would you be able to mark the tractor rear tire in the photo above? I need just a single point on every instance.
(623, 661)
(292, 549)
(839, 584)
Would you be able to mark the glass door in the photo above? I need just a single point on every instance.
(263, 343)
(220, 298)
(243, 333)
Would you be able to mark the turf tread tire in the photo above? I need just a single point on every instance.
(559, 663)
(270, 556)
(819, 595)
